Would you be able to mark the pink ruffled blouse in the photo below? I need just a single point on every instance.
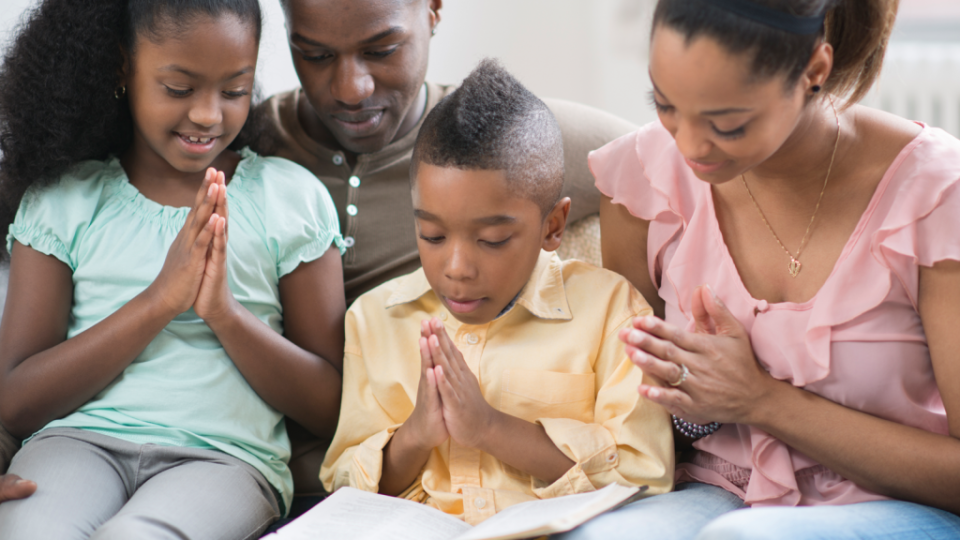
(858, 342)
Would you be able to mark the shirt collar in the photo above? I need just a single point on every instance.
(544, 295)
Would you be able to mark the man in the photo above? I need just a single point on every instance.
(362, 64)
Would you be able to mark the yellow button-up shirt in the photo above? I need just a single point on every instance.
(554, 359)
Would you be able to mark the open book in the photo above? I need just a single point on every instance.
(351, 514)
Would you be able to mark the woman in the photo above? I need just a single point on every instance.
(801, 251)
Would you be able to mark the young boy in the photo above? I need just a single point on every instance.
(493, 375)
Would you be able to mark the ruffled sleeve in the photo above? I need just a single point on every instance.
(910, 221)
(52, 219)
(644, 172)
(921, 230)
(301, 221)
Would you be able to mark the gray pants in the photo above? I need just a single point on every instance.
(95, 486)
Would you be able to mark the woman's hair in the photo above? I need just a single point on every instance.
(858, 30)
(60, 78)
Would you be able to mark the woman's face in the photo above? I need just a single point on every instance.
(724, 121)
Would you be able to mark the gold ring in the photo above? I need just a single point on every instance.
(683, 376)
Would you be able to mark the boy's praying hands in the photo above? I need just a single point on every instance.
(451, 405)
(427, 417)
(466, 413)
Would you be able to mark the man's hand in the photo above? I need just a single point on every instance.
(12, 487)
(466, 413)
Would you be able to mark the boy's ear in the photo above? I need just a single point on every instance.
(554, 224)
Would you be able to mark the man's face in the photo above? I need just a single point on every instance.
(362, 65)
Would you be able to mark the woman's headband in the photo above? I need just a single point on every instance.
(780, 20)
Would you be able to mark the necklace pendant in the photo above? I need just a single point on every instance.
(794, 267)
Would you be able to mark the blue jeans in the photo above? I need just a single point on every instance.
(680, 514)
(704, 512)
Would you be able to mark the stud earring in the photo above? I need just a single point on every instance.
(433, 31)
(816, 88)
(119, 92)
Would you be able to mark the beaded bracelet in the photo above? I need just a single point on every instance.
(694, 431)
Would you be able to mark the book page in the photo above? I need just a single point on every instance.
(352, 514)
(548, 516)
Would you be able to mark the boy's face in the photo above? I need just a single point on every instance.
(479, 241)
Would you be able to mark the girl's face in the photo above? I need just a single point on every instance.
(724, 122)
(189, 91)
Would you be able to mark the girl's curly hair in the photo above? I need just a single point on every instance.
(59, 84)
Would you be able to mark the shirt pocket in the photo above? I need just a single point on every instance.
(531, 394)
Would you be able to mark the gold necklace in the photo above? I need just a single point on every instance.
(795, 265)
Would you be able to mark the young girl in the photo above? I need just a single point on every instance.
(154, 265)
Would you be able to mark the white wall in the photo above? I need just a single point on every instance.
(591, 52)
(9, 15)
(274, 70)
(595, 52)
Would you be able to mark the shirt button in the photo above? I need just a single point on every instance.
(349, 241)
(351, 209)
(337, 159)
(612, 457)
(471, 339)
(443, 316)
(355, 181)
(479, 502)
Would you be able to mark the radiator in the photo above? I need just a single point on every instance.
(921, 81)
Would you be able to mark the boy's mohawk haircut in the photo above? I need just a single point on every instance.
(491, 122)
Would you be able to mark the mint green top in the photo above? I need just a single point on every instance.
(183, 389)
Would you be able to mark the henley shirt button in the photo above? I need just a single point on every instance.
(352, 209)
(472, 339)
(349, 241)
(443, 316)
(337, 159)
(480, 502)
(612, 457)
(354, 181)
